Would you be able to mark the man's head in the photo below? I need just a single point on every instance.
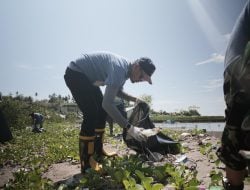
(142, 70)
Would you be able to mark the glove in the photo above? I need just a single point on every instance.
(136, 133)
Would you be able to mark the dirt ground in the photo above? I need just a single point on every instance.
(66, 172)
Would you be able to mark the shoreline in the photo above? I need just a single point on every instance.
(216, 134)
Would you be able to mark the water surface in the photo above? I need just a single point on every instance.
(213, 126)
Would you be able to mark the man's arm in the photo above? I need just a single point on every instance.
(110, 107)
(126, 96)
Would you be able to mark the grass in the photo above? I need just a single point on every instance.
(33, 153)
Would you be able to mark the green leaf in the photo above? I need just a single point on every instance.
(216, 177)
(157, 186)
(118, 176)
(139, 174)
(146, 182)
(193, 182)
(126, 183)
(62, 187)
(138, 187)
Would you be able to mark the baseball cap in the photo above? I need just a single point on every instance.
(147, 66)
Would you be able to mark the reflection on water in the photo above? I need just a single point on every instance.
(217, 126)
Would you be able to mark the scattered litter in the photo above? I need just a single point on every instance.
(185, 134)
(182, 159)
(150, 132)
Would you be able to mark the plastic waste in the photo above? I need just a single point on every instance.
(182, 159)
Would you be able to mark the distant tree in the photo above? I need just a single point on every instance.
(194, 107)
(65, 98)
(165, 113)
(194, 113)
(189, 112)
(52, 98)
(20, 97)
(194, 110)
(58, 99)
(28, 99)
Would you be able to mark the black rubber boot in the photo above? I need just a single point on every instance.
(99, 150)
(228, 186)
(86, 151)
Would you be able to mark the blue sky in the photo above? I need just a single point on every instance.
(186, 39)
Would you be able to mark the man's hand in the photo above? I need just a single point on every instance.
(136, 133)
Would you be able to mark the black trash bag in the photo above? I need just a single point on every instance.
(156, 144)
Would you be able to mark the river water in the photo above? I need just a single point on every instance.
(213, 126)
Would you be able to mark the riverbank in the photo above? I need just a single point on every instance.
(158, 118)
(216, 134)
(208, 127)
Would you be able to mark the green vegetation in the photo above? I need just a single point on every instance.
(17, 110)
(31, 154)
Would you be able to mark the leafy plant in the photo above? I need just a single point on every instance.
(216, 178)
(147, 182)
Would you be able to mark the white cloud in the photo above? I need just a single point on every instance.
(32, 67)
(214, 58)
(213, 84)
(48, 67)
(25, 67)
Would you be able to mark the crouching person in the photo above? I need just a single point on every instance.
(84, 77)
(37, 120)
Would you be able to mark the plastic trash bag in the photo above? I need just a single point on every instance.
(156, 143)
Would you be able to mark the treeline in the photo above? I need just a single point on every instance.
(17, 109)
(159, 118)
(190, 112)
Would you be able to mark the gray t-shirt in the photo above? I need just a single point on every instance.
(239, 37)
(112, 70)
